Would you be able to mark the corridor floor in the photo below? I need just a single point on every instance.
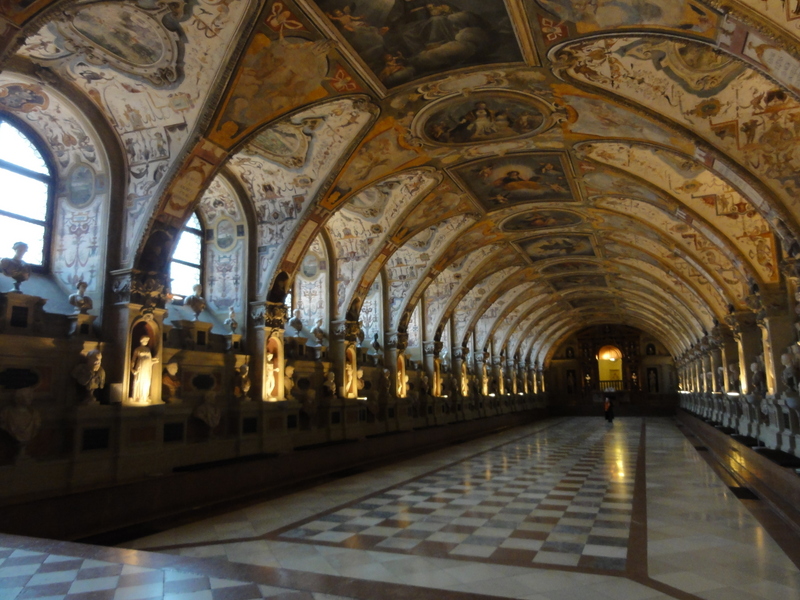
(564, 509)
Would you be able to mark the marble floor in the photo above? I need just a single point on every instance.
(561, 509)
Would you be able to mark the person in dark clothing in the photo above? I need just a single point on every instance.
(608, 406)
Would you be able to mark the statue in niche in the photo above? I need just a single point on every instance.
(171, 382)
(437, 382)
(195, 301)
(295, 322)
(791, 374)
(90, 375)
(270, 375)
(360, 381)
(319, 333)
(231, 320)
(386, 384)
(348, 380)
(81, 302)
(242, 387)
(15, 267)
(329, 385)
(734, 376)
(288, 381)
(208, 412)
(464, 381)
(142, 363)
(424, 387)
(759, 377)
(720, 376)
(20, 420)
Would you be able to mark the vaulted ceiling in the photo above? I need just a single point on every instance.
(528, 167)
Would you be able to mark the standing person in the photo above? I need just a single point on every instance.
(609, 409)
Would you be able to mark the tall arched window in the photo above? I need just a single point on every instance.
(26, 183)
(186, 268)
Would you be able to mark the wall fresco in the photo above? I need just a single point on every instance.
(154, 124)
(406, 267)
(488, 319)
(465, 311)
(447, 283)
(742, 113)
(708, 195)
(225, 249)
(81, 200)
(360, 228)
(281, 195)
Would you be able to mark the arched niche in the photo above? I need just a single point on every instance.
(273, 370)
(143, 386)
(402, 378)
(350, 381)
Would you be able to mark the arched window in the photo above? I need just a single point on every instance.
(26, 183)
(186, 268)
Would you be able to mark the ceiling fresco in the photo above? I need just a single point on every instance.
(510, 171)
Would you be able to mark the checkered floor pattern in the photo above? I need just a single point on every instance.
(562, 496)
(25, 574)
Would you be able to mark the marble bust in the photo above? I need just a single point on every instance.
(90, 375)
(81, 302)
(15, 267)
(195, 301)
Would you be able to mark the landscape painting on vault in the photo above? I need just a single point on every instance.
(541, 219)
(482, 117)
(402, 40)
(503, 181)
(557, 246)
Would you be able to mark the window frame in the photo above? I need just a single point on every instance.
(51, 180)
(201, 233)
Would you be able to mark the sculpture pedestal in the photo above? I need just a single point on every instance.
(195, 333)
(80, 326)
(21, 313)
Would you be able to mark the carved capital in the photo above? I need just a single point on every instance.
(339, 330)
(790, 267)
(351, 331)
(257, 313)
(429, 348)
(275, 314)
(402, 340)
(460, 352)
(390, 338)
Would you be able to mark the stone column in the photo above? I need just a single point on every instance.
(748, 341)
